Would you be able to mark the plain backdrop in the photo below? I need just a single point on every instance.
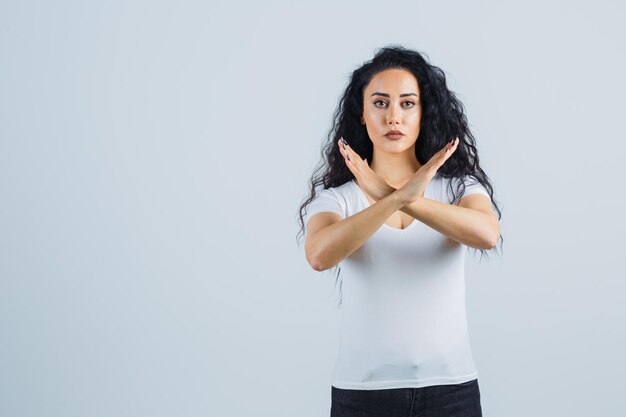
(153, 157)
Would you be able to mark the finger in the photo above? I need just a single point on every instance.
(348, 161)
(453, 146)
(444, 153)
(354, 157)
(449, 145)
(343, 151)
(448, 151)
(439, 156)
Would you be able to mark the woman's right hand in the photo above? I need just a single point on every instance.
(415, 187)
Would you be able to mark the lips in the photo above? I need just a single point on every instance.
(394, 135)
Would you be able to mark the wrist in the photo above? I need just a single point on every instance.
(402, 197)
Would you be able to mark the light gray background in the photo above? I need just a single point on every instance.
(153, 157)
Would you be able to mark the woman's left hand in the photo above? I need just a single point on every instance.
(369, 181)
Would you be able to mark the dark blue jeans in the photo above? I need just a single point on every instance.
(457, 400)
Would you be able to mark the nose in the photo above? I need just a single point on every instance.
(393, 115)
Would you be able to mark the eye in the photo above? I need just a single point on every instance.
(379, 101)
(409, 102)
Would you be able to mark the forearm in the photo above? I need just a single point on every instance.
(335, 242)
(469, 227)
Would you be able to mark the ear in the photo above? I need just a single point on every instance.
(362, 120)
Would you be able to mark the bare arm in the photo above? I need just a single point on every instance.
(330, 239)
(471, 223)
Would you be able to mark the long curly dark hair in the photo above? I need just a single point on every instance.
(443, 119)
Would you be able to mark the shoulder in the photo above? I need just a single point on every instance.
(340, 194)
(343, 197)
(445, 189)
(339, 199)
(466, 179)
(340, 191)
(467, 185)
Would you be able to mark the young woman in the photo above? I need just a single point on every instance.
(403, 196)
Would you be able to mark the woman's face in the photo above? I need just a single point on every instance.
(391, 101)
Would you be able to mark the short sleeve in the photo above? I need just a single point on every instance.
(325, 200)
(472, 186)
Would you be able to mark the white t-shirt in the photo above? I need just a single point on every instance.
(403, 300)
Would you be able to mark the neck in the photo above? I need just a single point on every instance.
(395, 169)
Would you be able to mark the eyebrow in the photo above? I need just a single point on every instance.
(387, 95)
